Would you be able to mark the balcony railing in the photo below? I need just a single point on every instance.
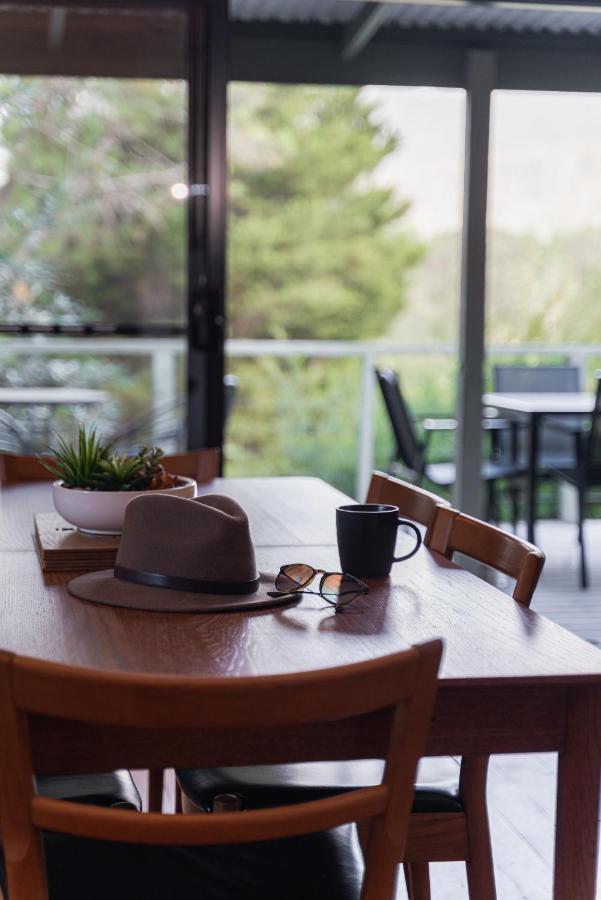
(164, 354)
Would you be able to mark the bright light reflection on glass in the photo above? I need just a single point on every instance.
(179, 190)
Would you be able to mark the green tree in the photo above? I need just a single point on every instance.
(316, 247)
(88, 228)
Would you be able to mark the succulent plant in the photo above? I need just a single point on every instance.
(92, 466)
(119, 473)
(77, 466)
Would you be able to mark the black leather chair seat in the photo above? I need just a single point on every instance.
(103, 789)
(323, 865)
(262, 786)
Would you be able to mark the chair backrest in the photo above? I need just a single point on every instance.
(454, 532)
(203, 465)
(413, 502)
(535, 379)
(409, 448)
(19, 467)
(532, 379)
(381, 707)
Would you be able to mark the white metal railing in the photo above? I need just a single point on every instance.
(163, 355)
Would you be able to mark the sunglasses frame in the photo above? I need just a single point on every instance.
(362, 588)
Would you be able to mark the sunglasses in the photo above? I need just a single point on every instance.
(336, 588)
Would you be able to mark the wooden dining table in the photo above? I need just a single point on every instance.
(511, 680)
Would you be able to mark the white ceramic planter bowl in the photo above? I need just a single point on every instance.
(102, 512)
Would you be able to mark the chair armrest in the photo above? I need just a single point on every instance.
(431, 424)
(489, 424)
(439, 424)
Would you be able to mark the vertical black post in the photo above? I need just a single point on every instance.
(207, 110)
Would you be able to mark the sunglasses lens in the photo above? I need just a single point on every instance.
(340, 589)
(293, 577)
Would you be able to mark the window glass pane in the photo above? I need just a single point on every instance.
(90, 229)
(544, 218)
(344, 225)
(543, 269)
(93, 160)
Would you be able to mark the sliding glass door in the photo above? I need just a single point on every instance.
(111, 225)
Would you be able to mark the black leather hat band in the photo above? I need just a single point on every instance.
(193, 585)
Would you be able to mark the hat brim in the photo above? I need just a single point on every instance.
(103, 587)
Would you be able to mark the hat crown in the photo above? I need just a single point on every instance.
(206, 538)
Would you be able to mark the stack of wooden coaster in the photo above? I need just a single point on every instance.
(63, 548)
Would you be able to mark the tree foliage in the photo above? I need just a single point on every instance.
(88, 227)
(316, 248)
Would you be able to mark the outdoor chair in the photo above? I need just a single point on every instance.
(585, 472)
(449, 819)
(555, 449)
(63, 851)
(410, 453)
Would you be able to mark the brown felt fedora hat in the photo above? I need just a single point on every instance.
(180, 555)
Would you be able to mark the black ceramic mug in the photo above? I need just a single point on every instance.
(367, 537)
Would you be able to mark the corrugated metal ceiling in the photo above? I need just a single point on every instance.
(474, 17)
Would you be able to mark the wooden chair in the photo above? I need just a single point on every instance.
(454, 532)
(53, 714)
(449, 821)
(17, 468)
(413, 502)
(203, 465)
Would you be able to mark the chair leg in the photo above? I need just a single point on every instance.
(408, 882)
(514, 493)
(418, 883)
(155, 790)
(584, 581)
(479, 866)
(491, 511)
(178, 798)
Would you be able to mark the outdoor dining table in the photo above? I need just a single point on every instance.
(511, 680)
(533, 407)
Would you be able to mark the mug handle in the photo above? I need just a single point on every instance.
(418, 544)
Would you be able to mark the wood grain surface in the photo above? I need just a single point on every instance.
(62, 547)
(488, 637)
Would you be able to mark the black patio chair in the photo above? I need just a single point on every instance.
(410, 456)
(555, 446)
(585, 473)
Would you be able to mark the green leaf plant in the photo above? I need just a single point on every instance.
(90, 465)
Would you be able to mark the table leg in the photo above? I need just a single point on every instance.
(578, 782)
(531, 477)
